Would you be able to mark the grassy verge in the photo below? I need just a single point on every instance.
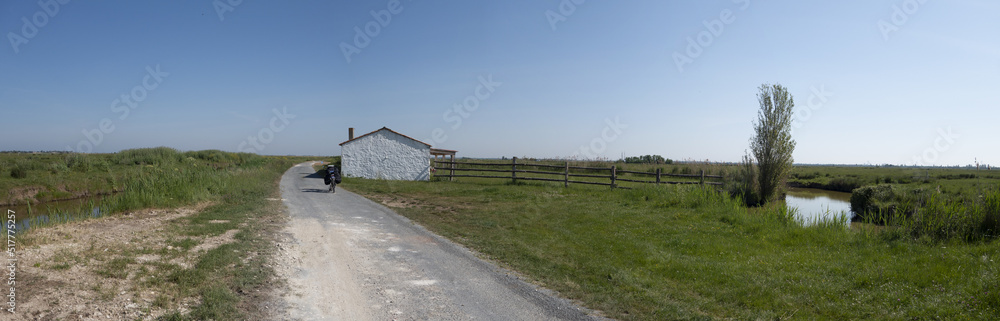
(674, 252)
(225, 281)
(229, 279)
(953, 182)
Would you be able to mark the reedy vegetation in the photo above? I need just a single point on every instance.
(227, 280)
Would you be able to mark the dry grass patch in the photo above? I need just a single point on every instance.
(107, 267)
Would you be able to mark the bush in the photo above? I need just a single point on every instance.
(77, 162)
(743, 183)
(19, 172)
(213, 156)
(872, 199)
(990, 224)
(941, 219)
(805, 176)
(648, 159)
(148, 156)
(249, 160)
(843, 184)
(920, 213)
(58, 167)
(85, 163)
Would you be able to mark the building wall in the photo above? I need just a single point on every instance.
(386, 155)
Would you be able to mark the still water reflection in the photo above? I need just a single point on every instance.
(816, 204)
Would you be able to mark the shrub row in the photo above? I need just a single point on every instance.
(919, 213)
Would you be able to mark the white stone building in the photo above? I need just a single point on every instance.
(385, 154)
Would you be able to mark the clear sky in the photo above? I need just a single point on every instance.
(898, 82)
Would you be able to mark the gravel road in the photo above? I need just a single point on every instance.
(348, 258)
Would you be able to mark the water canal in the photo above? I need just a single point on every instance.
(817, 204)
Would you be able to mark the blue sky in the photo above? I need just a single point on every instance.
(899, 82)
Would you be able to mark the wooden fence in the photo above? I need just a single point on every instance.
(567, 172)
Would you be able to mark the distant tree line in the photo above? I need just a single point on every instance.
(648, 159)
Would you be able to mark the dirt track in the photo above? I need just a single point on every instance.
(348, 258)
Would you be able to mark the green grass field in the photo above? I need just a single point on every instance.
(237, 186)
(952, 182)
(955, 182)
(649, 253)
(682, 252)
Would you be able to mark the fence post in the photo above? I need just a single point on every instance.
(566, 176)
(513, 170)
(658, 176)
(613, 171)
(702, 182)
(451, 176)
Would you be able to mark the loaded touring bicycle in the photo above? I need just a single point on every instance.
(332, 177)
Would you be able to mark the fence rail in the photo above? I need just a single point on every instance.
(566, 171)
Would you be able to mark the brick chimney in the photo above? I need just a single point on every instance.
(350, 133)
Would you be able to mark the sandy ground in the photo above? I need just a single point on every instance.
(347, 258)
(64, 275)
(340, 257)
